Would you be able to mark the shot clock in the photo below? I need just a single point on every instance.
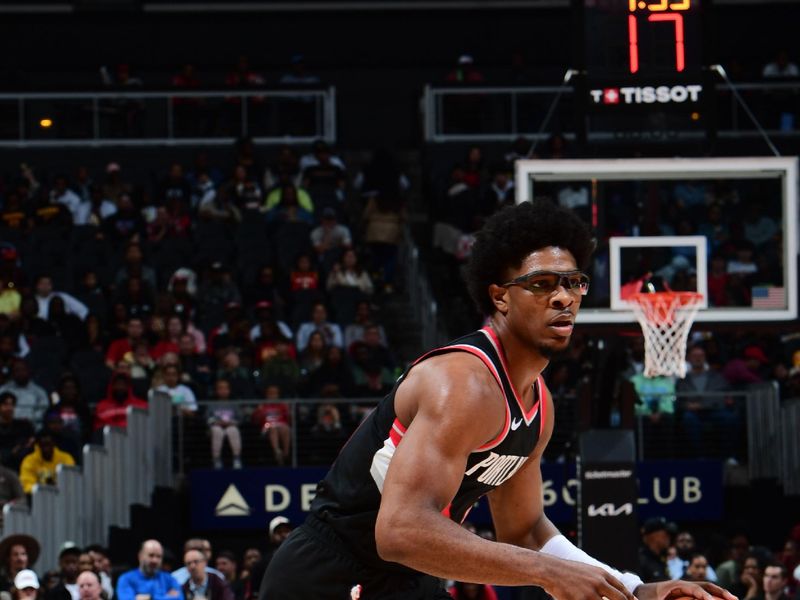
(643, 63)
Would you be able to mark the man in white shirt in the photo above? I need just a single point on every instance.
(44, 292)
(331, 332)
(61, 194)
(32, 400)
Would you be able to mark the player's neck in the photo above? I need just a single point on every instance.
(524, 363)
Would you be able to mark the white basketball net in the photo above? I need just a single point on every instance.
(666, 318)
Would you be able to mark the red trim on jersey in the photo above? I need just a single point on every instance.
(543, 393)
(397, 432)
(493, 370)
(446, 510)
(528, 415)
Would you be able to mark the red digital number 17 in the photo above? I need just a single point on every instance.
(633, 35)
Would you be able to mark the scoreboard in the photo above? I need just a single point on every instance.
(644, 67)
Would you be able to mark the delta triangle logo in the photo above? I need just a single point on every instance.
(232, 504)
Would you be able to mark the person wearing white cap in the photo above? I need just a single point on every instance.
(279, 529)
(26, 585)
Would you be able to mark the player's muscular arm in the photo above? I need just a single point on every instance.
(456, 407)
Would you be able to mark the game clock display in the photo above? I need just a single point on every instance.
(639, 39)
(643, 63)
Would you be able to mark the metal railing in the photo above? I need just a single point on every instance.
(725, 424)
(421, 295)
(486, 114)
(790, 446)
(168, 117)
(89, 499)
(192, 447)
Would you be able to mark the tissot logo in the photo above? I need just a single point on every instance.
(662, 94)
(609, 510)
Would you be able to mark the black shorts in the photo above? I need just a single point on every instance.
(313, 564)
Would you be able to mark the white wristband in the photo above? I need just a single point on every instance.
(561, 547)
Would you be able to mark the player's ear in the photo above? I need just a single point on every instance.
(499, 296)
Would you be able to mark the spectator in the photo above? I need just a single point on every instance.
(44, 293)
(313, 355)
(18, 553)
(279, 365)
(227, 564)
(216, 292)
(72, 409)
(330, 238)
(747, 369)
(370, 377)
(759, 229)
(653, 550)
(202, 584)
(780, 67)
(66, 326)
(265, 318)
(291, 206)
(67, 587)
(348, 273)
(231, 369)
(10, 488)
(304, 287)
(273, 420)
(203, 546)
(331, 332)
(379, 353)
(697, 408)
(90, 586)
(122, 349)
(501, 191)
(327, 435)
(697, 567)
(287, 193)
(384, 221)
(465, 71)
(16, 435)
(26, 586)
(729, 571)
(94, 208)
(354, 332)
(149, 579)
(62, 194)
(332, 377)
(472, 591)
(775, 581)
(32, 400)
(685, 550)
(284, 169)
(279, 529)
(193, 364)
(297, 74)
(113, 409)
(10, 299)
(224, 424)
(134, 266)
(102, 565)
(39, 467)
(320, 149)
(751, 580)
(125, 225)
(250, 584)
(183, 398)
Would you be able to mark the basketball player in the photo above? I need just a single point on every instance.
(467, 420)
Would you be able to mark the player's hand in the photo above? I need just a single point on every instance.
(577, 581)
(683, 590)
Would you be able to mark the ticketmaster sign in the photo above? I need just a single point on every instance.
(248, 499)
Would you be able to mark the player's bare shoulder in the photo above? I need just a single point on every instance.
(456, 385)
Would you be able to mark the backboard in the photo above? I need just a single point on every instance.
(724, 227)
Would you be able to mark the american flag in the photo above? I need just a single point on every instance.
(767, 296)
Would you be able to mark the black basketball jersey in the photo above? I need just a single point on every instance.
(349, 497)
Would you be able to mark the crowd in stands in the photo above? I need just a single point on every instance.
(259, 280)
(200, 569)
